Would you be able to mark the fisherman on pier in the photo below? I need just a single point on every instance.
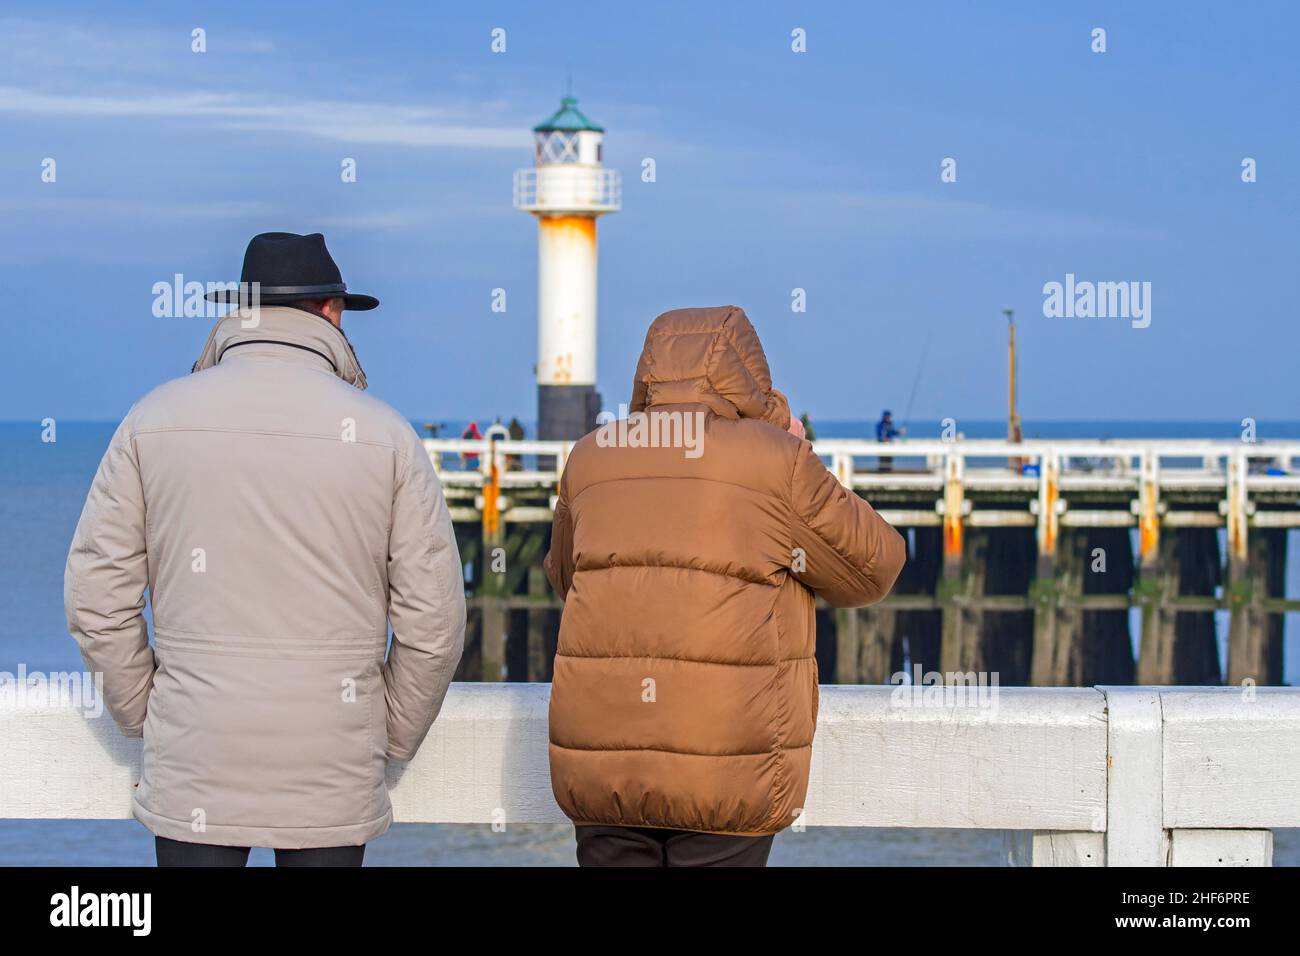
(886, 432)
(516, 432)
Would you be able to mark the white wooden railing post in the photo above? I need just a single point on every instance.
(1135, 833)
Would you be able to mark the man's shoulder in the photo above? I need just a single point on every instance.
(370, 408)
(162, 402)
(387, 420)
(209, 399)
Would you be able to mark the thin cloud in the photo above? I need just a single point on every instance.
(136, 209)
(333, 120)
(53, 44)
(99, 208)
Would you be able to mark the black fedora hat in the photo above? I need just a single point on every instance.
(289, 267)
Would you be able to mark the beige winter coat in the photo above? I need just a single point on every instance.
(280, 519)
(685, 691)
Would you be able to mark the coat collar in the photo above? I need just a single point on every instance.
(282, 325)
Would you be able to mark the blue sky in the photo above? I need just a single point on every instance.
(775, 170)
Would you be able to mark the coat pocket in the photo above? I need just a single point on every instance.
(267, 742)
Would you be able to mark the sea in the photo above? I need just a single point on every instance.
(43, 486)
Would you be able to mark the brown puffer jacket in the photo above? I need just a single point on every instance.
(685, 689)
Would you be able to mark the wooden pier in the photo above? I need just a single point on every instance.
(1024, 559)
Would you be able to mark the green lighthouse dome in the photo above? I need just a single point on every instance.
(568, 119)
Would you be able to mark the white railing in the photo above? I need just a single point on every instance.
(1141, 469)
(1122, 458)
(1142, 776)
(568, 188)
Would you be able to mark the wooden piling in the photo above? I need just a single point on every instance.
(1179, 638)
(919, 632)
(867, 648)
(1107, 640)
(1196, 651)
(1008, 635)
(848, 645)
(1255, 634)
(986, 625)
(1155, 590)
(469, 542)
(1075, 646)
(963, 580)
(539, 662)
(1058, 616)
(495, 565)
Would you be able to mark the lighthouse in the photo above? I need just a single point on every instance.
(567, 189)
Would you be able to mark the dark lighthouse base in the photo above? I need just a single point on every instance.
(566, 412)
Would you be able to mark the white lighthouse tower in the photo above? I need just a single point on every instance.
(567, 190)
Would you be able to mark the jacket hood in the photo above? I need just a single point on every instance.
(710, 356)
(285, 326)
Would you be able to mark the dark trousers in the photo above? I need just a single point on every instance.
(176, 853)
(645, 846)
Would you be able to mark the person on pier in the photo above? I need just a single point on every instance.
(887, 432)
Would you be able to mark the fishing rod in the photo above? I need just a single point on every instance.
(916, 380)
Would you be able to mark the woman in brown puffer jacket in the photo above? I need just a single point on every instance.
(685, 691)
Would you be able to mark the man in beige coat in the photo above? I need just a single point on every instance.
(280, 519)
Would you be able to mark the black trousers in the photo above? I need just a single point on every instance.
(646, 846)
(176, 853)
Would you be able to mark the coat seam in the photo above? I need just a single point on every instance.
(267, 826)
(683, 753)
(264, 432)
(675, 660)
(716, 481)
(257, 639)
(664, 826)
(680, 567)
(276, 654)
